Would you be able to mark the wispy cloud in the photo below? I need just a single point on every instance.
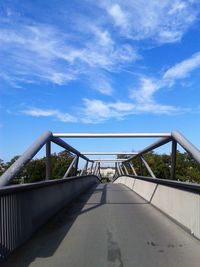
(97, 111)
(148, 86)
(164, 22)
(42, 53)
(55, 114)
(183, 69)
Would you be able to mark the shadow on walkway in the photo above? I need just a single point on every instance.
(47, 239)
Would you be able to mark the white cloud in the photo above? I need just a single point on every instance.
(118, 15)
(162, 21)
(183, 69)
(97, 111)
(147, 87)
(56, 114)
(145, 91)
(42, 53)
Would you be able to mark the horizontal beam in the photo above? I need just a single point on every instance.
(108, 160)
(110, 135)
(109, 153)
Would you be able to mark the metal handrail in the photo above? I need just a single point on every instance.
(191, 187)
(46, 138)
(187, 145)
(15, 168)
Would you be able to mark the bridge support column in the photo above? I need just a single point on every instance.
(76, 166)
(48, 160)
(173, 160)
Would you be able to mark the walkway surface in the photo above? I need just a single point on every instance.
(109, 226)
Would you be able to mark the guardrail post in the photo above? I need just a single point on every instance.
(76, 166)
(121, 170)
(48, 160)
(173, 160)
(91, 168)
(141, 169)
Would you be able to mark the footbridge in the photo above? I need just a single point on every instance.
(134, 220)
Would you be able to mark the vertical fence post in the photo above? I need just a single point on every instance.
(141, 169)
(173, 160)
(48, 160)
(76, 166)
(91, 168)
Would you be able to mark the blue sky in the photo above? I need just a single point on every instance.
(98, 66)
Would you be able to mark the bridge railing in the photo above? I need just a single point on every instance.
(176, 138)
(178, 200)
(44, 140)
(24, 208)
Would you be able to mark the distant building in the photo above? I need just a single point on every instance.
(107, 172)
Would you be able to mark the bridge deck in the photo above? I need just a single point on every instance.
(110, 226)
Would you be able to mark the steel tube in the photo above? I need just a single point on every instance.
(173, 161)
(110, 135)
(24, 159)
(109, 160)
(148, 167)
(126, 171)
(132, 168)
(63, 144)
(70, 166)
(187, 145)
(48, 160)
(109, 153)
(157, 144)
(121, 170)
(84, 168)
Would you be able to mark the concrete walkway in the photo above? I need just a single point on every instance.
(109, 226)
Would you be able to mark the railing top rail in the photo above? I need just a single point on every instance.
(110, 135)
(195, 188)
(24, 187)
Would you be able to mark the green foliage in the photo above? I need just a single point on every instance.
(186, 168)
(35, 170)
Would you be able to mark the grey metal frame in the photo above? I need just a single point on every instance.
(175, 137)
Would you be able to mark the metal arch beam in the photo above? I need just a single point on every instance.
(110, 135)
